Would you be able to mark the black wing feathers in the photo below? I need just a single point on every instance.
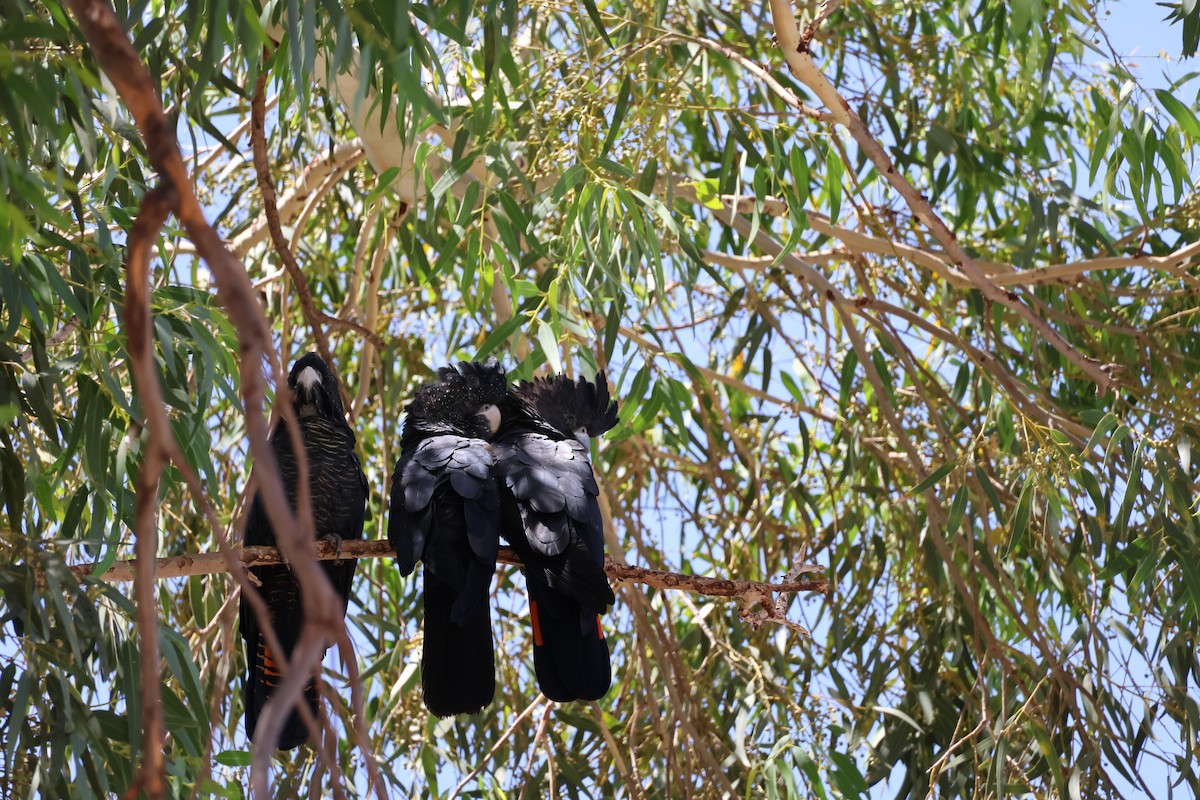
(445, 513)
(551, 516)
(555, 512)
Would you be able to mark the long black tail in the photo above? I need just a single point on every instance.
(264, 678)
(570, 653)
(458, 672)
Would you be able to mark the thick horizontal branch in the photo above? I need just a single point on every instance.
(209, 563)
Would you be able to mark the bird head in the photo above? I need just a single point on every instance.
(579, 409)
(315, 389)
(464, 400)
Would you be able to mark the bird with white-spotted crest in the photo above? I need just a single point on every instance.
(444, 512)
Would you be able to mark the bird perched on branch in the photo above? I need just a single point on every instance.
(445, 512)
(551, 517)
(338, 495)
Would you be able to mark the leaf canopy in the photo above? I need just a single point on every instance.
(806, 371)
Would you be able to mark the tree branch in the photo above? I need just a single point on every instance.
(210, 563)
(760, 72)
(113, 51)
(339, 159)
(161, 447)
(938, 262)
(55, 339)
(800, 61)
(266, 187)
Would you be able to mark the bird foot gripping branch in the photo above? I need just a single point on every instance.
(336, 541)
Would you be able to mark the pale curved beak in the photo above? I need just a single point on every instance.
(308, 382)
(308, 378)
(584, 440)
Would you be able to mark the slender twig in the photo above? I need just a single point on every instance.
(760, 72)
(56, 338)
(800, 61)
(350, 325)
(614, 752)
(499, 743)
(266, 187)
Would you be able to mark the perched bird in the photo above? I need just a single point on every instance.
(338, 494)
(445, 513)
(551, 517)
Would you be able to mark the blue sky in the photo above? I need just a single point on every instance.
(1139, 33)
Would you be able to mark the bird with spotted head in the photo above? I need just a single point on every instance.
(444, 513)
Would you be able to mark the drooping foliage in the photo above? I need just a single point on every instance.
(805, 373)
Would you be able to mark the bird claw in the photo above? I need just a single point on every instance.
(337, 541)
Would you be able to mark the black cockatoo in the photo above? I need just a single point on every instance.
(338, 493)
(551, 517)
(445, 512)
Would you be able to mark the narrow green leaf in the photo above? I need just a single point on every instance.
(548, 341)
(1133, 485)
(615, 167)
(612, 327)
(834, 172)
(18, 711)
(451, 176)
(809, 767)
(989, 489)
(849, 369)
(1020, 518)
(74, 512)
(382, 184)
(1106, 424)
(957, 508)
(233, 758)
(1183, 115)
(794, 238)
(1147, 568)
(932, 478)
(622, 107)
(571, 177)
(800, 176)
(793, 388)
(594, 14)
(1190, 569)
(1119, 435)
